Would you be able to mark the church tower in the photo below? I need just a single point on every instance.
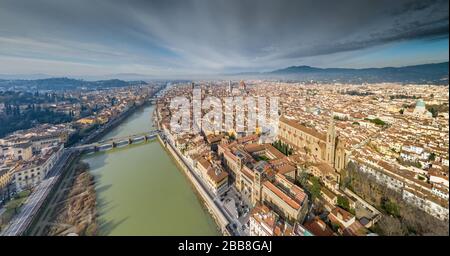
(331, 143)
(256, 190)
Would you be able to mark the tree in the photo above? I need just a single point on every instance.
(390, 226)
(343, 203)
(335, 227)
(318, 207)
(302, 178)
(378, 121)
(390, 207)
(315, 188)
(434, 111)
(432, 157)
(412, 220)
(283, 147)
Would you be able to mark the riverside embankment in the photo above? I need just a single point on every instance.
(202, 191)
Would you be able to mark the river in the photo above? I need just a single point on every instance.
(141, 191)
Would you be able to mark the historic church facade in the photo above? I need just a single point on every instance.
(327, 147)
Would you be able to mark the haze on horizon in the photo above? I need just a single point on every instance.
(191, 37)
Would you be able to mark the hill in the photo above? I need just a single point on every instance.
(426, 73)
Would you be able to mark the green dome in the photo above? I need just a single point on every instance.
(420, 103)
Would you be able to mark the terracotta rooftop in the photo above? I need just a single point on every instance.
(318, 227)
(303, 128)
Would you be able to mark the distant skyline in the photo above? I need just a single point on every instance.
(83, 38)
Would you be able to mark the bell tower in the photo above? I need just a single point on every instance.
(256, 190)
(331, 143)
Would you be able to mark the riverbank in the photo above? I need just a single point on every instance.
(76, 212)
(46, 218)
(200, 192)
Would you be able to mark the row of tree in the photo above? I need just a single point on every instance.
(400, 218)
(29, 118)
(283, 147)
(23, 98)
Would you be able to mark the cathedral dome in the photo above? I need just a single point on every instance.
(420, 104)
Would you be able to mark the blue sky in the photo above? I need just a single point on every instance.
(193, 37)
(409, 52)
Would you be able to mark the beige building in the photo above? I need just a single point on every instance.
(213, 175)
(288, 199)
(5, 177)
(19, 151)
(280, 194)
(265, 181)
(327, 175)
(265, 222)
(30, 173)
(348, 225)
(44, 141)
(324, 147)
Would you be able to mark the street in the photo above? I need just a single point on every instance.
(23, 219)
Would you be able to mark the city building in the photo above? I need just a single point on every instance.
(265, 181)
(213, 175)
(347, 223)
(5, 176)
(326, 147)
(30, 173)
(19, 151)
(421, 111)
(318, 227)
(265, 222)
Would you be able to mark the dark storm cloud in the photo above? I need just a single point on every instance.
(207, 36)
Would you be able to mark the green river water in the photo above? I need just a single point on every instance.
(140, 190)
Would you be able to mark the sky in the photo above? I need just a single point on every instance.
(169, 38)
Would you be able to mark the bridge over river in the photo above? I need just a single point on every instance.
(118, 142)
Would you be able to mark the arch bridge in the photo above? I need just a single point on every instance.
(118, 142)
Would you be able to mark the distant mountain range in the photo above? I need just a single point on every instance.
(64, 83)
(436, 73)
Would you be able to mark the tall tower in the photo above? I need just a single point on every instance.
(242, 86)
(331, 143)
(229, 86)
(256, 190)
